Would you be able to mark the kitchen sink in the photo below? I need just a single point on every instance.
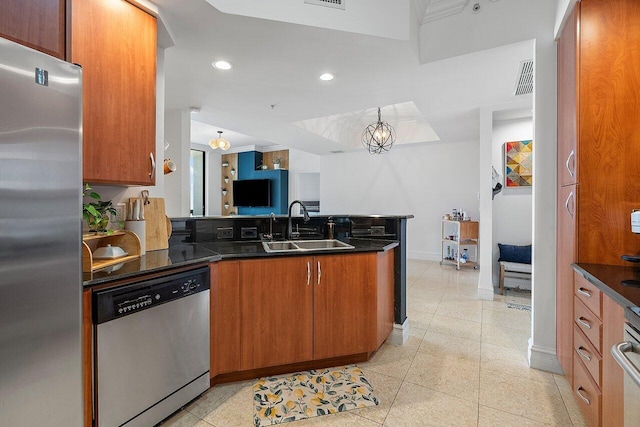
(315, 245)
(304, 245)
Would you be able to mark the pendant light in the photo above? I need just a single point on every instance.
(378, 137)
(220, 142)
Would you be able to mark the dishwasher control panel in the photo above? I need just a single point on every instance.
(129, 299)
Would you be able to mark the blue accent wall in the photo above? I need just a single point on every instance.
(278, 179)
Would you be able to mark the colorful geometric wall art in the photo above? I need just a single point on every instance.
(518, 163)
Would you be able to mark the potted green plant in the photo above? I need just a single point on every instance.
(276, 162)
(96, 212)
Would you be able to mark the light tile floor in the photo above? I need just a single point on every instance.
(465, 364)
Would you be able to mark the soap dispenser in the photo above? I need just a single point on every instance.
(331, 226)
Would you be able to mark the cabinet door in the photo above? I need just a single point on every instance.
(609, 129)
(225, 317)
(39, 24)
(568, 100)
(612, 374)
(344, 305)
(115, 43)
(566, 246)
(276, 306)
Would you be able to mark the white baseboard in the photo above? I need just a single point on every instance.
(400, 333)
(544, 359)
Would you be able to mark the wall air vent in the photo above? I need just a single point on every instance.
(336, 4)
(524, 81)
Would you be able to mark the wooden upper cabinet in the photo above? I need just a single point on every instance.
(115, 43)
(568, 60)
(39, 24)
(609, 129)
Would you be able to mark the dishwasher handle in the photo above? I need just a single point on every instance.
(618, 352)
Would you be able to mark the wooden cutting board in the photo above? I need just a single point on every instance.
(157, 236)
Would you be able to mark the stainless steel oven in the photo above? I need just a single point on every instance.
(627, 354)
(151, 347)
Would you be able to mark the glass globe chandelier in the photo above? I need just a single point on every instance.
(378, 137)
(220, 142)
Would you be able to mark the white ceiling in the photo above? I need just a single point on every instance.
(273, 95)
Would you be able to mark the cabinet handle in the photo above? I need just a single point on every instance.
(582, 291)
(584, 322)
(587, 401)
(566, 204)
(319, 273)
(572, 154)
(153, 167)
(308, 273)
(583, 353)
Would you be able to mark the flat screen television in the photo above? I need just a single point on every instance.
(252, 193)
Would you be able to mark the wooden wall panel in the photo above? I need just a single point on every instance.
(609, 129)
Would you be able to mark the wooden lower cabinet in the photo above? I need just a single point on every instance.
(276, 311)
(612, 374)
(567, 199)
(225, 317)
(597, 378)
(587, 393)
(87, 357)
(344, 305)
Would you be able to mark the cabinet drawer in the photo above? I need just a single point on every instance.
(586, 393)
(588, 294)
(588, 323)
(588, 354)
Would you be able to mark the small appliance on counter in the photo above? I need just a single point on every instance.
(635, 228)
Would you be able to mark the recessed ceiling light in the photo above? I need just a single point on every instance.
(222, 65)
(326, 77)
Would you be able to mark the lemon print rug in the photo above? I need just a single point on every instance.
(307, 394)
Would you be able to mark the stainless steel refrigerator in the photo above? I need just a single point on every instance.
(40, 239)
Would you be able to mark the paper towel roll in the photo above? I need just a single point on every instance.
(138, 227)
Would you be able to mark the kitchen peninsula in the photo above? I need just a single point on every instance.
(268, 312)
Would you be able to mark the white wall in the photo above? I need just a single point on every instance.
(177, 184)
(301, 162)
(426, 181)
(512, 208)
(498, 23)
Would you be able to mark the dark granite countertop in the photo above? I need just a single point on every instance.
(254, 249)
(152, 262)
(184, 254)
(311, 214)
(621, 284)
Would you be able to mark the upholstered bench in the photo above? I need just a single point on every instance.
(515, 263)
(513, 270)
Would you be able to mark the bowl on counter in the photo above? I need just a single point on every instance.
(109, 252)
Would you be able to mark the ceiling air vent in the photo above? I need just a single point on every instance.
(336, 4)
(524, 83)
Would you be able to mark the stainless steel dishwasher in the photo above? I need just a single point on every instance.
(151, 347)
(627, 354)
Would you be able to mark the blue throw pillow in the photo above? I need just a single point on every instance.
(513, 253)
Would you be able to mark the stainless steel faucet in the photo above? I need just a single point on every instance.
(272, 219)
(304, 212)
